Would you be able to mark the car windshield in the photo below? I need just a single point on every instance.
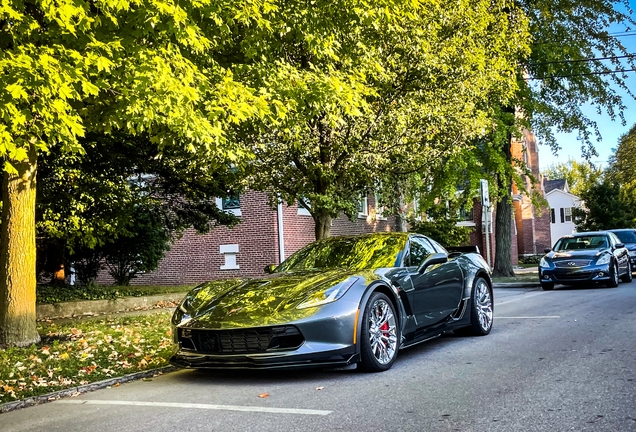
(626, 236)
(357, 253)
(581, 242)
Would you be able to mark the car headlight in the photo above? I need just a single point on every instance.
(327, 295)
(544, 263)
(604, 259)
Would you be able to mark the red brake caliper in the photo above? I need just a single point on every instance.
(385, 330)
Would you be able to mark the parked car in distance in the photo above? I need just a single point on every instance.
(336, 302)
(586, 257)
(627, 236)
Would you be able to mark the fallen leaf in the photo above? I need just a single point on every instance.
(319, 388)
(263, 395)
(116, 385)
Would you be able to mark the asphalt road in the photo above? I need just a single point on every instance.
(562, 360)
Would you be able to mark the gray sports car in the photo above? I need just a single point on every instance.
(336, 302)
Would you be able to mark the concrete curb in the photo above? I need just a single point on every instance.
(517, 285)
(75, 391)
(86, 308)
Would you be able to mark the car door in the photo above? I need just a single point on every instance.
(620, 253)
(437, 291)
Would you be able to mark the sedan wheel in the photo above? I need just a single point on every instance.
(613, 282)
(481, 310)
(380, 334)
(627, 277)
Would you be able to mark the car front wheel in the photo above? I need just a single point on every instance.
(547, 286)
(613, 282)
(380, 334)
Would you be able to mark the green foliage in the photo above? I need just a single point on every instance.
(622, 169)
(83, 352)
(603, 209)
(374, 92)
(530, 259)
(579, 175)
(140, 250)
(440, 224)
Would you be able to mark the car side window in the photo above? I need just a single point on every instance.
(614, 239)
(420, 248)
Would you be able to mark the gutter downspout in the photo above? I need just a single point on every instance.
(281, 233)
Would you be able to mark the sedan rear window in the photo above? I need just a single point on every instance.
(626, 236)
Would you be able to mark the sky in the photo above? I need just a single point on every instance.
(611, 131)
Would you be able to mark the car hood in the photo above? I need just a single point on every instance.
(580, 254)
(271, 300)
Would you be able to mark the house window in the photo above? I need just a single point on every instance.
(465, 215)
(363, 207)
(303, 207)
(568, 214)
(230, 204)
(229, 252)
(552, 216)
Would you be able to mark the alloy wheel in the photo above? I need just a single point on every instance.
(382, 331)
(483, 305)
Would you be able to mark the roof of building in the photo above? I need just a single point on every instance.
(550, 185)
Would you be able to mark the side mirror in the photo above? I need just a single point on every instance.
(270, 268)
(619, 245)
(546, 250)
(436, 258)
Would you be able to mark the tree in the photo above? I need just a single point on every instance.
(69, 67)
(603, 209)
(579, 175)
(85, 202)
(573, 60)
(376, 92)
(622, 168)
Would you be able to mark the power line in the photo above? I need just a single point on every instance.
(584, 60)
(583, 74)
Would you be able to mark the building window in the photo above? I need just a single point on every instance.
(379, 209)
(465, 215)
(363, 208)
(303, 207)
(229, 252)
(568, 214)
(230, 204)
(552, 216)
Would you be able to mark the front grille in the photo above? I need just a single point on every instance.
(572, 276)
(572, 263)
(245, 341)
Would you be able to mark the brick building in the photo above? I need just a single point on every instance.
(266, 235)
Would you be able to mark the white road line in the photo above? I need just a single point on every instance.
(196, 406)
(529, 317)
(519, 298)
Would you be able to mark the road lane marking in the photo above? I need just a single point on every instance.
(521, 297)
(196, 406)
(529, 317)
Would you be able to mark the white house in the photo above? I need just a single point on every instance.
(561, 201)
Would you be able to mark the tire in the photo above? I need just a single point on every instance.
(547, 286)
(380, 334)
(627, 277)
(613, 282)
(481, 310)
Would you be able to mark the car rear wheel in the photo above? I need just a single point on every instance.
(481, 310)
(613, 282)
(547, 286)
(380, 334)
(627, 277)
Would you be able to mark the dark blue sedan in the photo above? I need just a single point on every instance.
(586, 257)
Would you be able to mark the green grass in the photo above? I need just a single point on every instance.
(83, 352)
(56, 294)
(527, 277)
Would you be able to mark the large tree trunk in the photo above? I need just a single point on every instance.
(503, 221)
(323, 225)
(400, 216)
(17, 256)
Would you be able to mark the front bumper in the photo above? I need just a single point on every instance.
(575, 275)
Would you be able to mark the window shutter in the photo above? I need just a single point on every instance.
(562, 215)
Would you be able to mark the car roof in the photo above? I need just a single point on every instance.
(622, 229)
(585, 233)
